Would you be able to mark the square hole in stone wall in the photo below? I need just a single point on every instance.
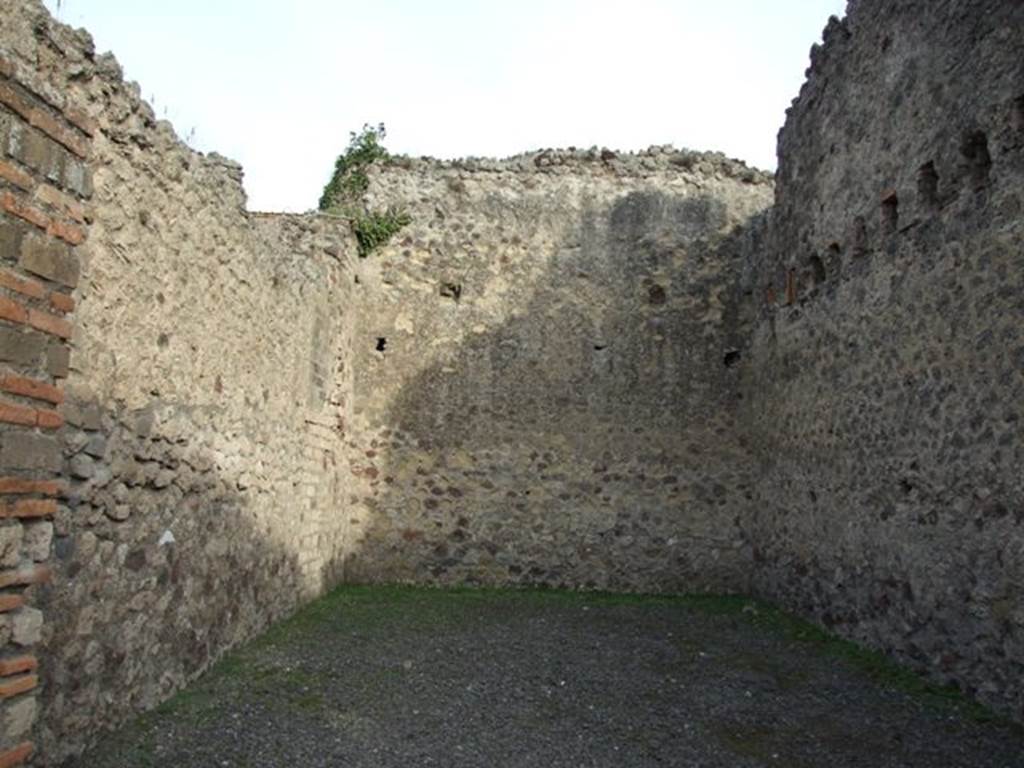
(451, 291)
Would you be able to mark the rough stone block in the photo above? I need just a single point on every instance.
(24, 450)
(11, 233)
(17, 718)
(20, 347)
(36, 539)
(81, 415)
(37, 151)
(96, 446)
(10, 545)
(5, 130)
(26, 626)
(58, 360)
(77, 178)
(49, 258)
(82, 466)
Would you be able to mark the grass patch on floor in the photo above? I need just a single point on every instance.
(369, 606)
(264, 673)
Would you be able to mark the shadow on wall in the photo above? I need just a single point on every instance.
(580, 436)
(162, 560)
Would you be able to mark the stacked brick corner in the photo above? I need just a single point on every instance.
(44, 197)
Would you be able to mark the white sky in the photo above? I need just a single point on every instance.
(279, 85)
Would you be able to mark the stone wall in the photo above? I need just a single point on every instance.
(545, 390)
(203, 414)
(885, 373)
(575, 368)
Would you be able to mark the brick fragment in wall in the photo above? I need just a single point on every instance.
(54, 225)
(26, 286)
(15, 686)
(23, 576)
(16, 485)
(31, 388)
(30, 508)
(14, 175)
(14, 665)
(61, 202)
(49, 323)
(16, 756)
(11, 413)
(62, 302)
(10, 603)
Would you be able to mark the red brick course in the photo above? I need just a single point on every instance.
(16, 756)
(20, 485)
(37, 390)
(29, 508)
(18, 664)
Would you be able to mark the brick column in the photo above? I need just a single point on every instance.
(44, 186)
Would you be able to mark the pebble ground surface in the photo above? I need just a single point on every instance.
(388, 676)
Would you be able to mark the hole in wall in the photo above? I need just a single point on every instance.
(382, 344)
(974, 148)
(1017, 114)
(451, 291)
(890, 213)
(859, 236)
(656, 295)
(928, 184)
(731, 358)
(834, 259)
(163, 340)
(818, 272)
(600, 347)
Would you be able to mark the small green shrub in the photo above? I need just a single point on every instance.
(373, 229)
(343, 194)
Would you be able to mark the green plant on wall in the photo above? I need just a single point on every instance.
(343, 194)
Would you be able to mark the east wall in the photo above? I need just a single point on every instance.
(885, 369)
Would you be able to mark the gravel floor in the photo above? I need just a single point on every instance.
(409, 677)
